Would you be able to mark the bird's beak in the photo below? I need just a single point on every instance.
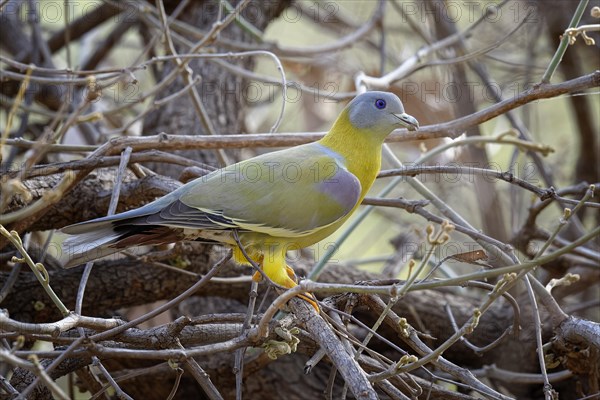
(407, 121)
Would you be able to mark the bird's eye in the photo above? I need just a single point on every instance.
(380, 104)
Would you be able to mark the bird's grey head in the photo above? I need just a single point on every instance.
(380, 112)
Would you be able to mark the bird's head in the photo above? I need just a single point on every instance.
(379, 112)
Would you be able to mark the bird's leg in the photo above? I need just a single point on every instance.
(257, 276)
(291, 273)
(306, 296)
(275, 267)
(248, 256)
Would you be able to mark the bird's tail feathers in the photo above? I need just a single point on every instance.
(91, 244)
(105, 236)
(101, 237)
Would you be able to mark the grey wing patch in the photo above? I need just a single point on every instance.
(343, 187)
(178, 214)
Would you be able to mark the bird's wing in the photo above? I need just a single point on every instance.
(286, 193)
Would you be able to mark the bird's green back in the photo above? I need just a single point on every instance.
(287, 193)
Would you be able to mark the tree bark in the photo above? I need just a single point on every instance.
(221, 92)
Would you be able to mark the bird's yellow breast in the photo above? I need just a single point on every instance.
(360, 148)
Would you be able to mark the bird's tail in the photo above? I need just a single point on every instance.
(105, 236)
(94, 242)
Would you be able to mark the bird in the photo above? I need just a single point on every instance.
(264, 206)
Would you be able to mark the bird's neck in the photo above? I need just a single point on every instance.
(360, 148)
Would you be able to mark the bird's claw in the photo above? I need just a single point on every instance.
(308, 297)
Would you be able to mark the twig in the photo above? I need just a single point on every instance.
(52, 148)
(59, 359)
(88, 266)
(242, 22)
(417, 60)
(582, 30)
(476, 349)
(114, 200)
(35, 367)
(524, 134)
(7, 387)
(446, 129)
(55, 328)
(238, 368)
(88, 270)
(105, 73)
(10, 281)
(488, 173)
(493, 372)
(434, 356)
(203, 379)
(282, 51)
(353, 375)
(253, 263)
(19, 98)
(105, 46)
(282, 82)
(527, 265)
(38, 269)
(168, 305)
(564, 43)
(119, 392)
(107, 161)
(159, 368)
(557, 315)
(549, 393)
(186, 73)
(178, 375)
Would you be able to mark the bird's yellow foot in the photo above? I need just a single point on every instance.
(289, 282)
(256, 276)
(290, 272)
(308, 297)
